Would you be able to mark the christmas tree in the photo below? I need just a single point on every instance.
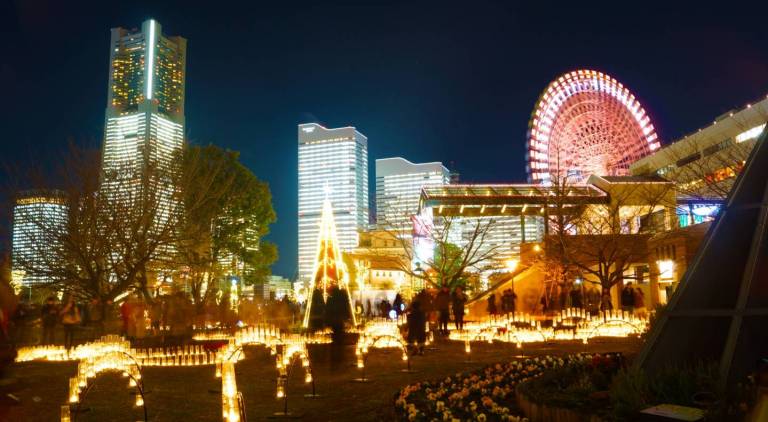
(328, 276)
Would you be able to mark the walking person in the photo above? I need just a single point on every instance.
(576, 301)
(593, 300)
(459, 300)
(512, 302)
(443, 303)
(605, 301)
(628, 298)
(139, 319)
(640, 303)
(50, 316)
(398, 305)
(125, 316)
(417, 327)
(70, 318)
(492, 311)
(543, 302)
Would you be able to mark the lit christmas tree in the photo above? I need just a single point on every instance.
(329, 276)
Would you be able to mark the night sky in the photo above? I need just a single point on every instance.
(425, 81)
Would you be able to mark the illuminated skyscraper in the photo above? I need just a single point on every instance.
(39, 217)
(398, 189)
(332, 162)
(144, 126)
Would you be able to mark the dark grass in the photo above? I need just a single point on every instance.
(192, 393)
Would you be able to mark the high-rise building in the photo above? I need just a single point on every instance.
(144, 126)
(333, 163)
(39, 217)
(398, 189)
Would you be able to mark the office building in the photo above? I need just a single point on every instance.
(398, 189)
(39, 219)
(333, 163)
(144, 128)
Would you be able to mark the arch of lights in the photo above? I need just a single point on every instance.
(586, 122)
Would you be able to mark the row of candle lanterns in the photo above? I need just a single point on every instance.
(569, 324)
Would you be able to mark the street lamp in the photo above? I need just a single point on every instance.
(512, 264)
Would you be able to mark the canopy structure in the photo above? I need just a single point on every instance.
(719, 311)
(503, 199)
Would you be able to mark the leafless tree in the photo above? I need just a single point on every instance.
(706, 174)
(120, 232)
(460, 246)
(605, 240)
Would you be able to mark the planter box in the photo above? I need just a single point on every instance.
(542, 413)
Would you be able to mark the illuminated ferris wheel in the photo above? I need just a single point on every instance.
(585, 123)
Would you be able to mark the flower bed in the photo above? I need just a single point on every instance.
(485, 395)
(573, 391)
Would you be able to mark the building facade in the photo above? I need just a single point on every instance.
(670, 253)
(705, 163)
(398, 189)
(144, 127)
(380, 268)
(333, 163)
(39, 217)
(510, 214)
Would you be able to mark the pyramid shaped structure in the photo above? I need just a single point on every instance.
(719, 311)
(328, 267)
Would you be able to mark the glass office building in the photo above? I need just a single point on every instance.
(332, 163)
(39, 217)
(398, 189)
(144, 128)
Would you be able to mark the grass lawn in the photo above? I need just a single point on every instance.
(192, 393)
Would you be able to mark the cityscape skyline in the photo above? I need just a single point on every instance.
(499, 120)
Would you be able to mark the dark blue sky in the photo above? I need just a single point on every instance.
(426, 81)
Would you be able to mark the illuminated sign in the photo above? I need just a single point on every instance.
(750, 134)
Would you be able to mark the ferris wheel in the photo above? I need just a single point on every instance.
(586, 122)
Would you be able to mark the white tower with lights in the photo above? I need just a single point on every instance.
(144, 128)
(333, 164)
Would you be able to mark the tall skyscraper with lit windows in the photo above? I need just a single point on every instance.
(398, 189)
(144, 126)
(38, 219)
(332, 163)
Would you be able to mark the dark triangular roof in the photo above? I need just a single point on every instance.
(719, 312)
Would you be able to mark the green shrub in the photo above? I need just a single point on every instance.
(630, 392)
(633, 389)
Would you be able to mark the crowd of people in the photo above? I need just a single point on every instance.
(430, 308)
(633, 300)
(164, 320)
(173, 317)
(594, 300)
